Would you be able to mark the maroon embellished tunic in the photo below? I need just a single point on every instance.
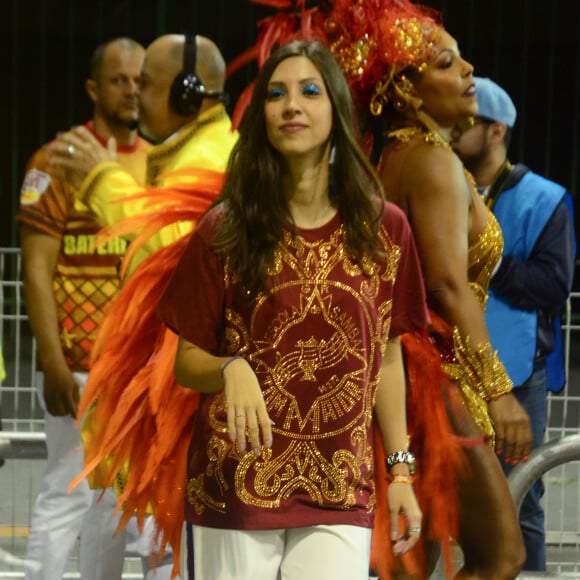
(316, 346)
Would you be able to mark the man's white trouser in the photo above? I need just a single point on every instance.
(59, 517)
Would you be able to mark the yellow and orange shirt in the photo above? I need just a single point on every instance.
(86, 276)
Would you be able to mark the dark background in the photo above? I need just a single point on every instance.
(530, 47)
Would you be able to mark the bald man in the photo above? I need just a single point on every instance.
(181, 109)
(160, 115)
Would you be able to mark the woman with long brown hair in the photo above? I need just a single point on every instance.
(411, 87)
(288, 301)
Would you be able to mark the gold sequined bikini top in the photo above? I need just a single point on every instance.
(485, 253)
(483, 256)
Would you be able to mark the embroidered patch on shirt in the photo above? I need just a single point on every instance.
(35, 184)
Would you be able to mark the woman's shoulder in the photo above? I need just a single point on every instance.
(432, 169)
(394, 220)
(209, 222)
(418, 141)
(427, 153)
(415, 159)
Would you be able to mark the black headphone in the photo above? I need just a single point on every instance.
(187, 91)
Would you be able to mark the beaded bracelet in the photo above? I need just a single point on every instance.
(231, 359)
(400, 478)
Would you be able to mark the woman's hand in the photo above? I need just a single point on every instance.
(247, 413)
(513, 434)
(401, 500)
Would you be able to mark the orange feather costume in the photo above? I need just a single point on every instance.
(138, 421)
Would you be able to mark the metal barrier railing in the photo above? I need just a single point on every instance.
(19, 407)
(22, 438)
(23, 426)
(542, 459)
(17, 445)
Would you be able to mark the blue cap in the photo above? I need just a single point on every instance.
(494, 103)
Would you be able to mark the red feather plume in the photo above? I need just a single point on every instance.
(293, 21)
(137, 419)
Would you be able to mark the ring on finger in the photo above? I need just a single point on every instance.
(71, 150)
(415, 529)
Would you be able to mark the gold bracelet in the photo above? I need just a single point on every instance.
(400, 478)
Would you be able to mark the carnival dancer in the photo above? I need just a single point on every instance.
(136, 414)
(417, 82)
(531, 284)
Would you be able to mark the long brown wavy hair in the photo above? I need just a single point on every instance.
(254, 200)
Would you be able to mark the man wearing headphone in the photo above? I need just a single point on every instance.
(181, 110)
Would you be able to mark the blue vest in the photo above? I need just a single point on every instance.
(522, 212)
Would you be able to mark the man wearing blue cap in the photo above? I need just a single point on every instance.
(530, 284)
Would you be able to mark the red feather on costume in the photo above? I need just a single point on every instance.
(135, 413)
(294, 21)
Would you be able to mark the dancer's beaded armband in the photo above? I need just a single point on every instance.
(399, 478)
(480, 367)
(480, 377)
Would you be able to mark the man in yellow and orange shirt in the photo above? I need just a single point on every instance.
(68, 284)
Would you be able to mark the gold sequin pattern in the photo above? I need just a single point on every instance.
(199, 499)
(352, 55)
(481, 376)
(483, 257)
(431, 137)
(341, 397)
(412, 42)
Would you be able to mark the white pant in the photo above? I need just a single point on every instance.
(59, 517)
(339, 552)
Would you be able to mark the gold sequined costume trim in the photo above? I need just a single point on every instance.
(481, 378)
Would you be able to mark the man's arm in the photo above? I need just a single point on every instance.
(544, 280)
(93, 170)
(40, 252)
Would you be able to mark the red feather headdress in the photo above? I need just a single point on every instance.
(373, 41)
(294, 21)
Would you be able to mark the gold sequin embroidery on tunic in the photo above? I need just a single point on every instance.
(315, 347)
